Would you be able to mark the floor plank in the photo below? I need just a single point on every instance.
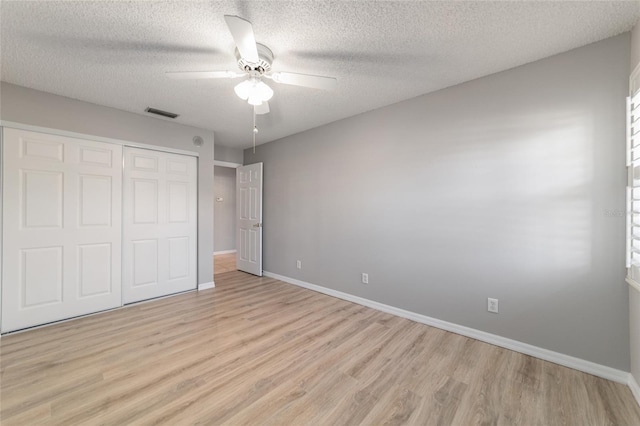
(224, 263)
(259, 351)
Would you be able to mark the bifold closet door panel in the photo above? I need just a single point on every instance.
(159, 224)
(61, 228)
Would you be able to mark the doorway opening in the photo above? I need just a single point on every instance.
(238, 216)
(224, 235)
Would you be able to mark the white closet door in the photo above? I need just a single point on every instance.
(159, 224)
(61, 228)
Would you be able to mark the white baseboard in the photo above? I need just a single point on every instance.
(206, 286)
(215, 253)
(635, 389)
(514, 345)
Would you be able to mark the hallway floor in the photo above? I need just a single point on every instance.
(224, 263)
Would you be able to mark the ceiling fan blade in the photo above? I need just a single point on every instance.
(305, 80)
(242, 33)
(189, 75)
(261, 109)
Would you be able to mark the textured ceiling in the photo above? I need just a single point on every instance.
(115, 53)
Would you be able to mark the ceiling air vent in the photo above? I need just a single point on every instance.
(161, 112)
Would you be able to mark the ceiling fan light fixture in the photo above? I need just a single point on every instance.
(254, 61)
(254, 90)
(265, 92)
(255, 101)
(242, 90)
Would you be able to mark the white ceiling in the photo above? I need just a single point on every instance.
(115, 53)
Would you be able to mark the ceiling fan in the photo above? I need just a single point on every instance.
(254, 60)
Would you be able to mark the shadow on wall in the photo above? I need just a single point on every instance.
(523, 200)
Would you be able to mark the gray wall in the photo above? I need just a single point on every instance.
(635, 47)
(224, 235)
(33, 107)
(230, 155)
(634, 295)
(500, 187)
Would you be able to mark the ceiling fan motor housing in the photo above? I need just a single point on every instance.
(265, 58)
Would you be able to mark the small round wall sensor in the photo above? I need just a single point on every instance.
(198, 141)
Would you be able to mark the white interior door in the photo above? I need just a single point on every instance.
(159, 224)
(249, 223)
(61, 228)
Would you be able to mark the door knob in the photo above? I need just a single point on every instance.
(257, 225)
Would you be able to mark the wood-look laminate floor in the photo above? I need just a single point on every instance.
(257, 351)
(224, 263)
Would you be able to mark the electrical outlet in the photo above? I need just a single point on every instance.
(365, 278)
(299, 264)
(492, 305)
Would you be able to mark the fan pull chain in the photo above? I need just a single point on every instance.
(255, 130)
